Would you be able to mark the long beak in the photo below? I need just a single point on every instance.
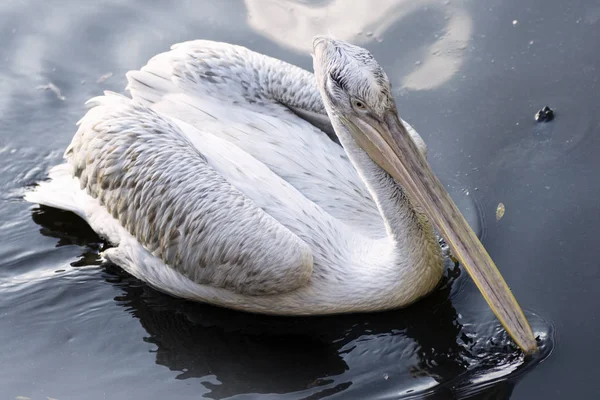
(391, 147)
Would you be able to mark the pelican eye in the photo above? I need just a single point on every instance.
(359, 104)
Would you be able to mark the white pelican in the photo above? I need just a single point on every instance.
(212, 185)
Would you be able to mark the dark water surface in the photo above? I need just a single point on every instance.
(469, 75)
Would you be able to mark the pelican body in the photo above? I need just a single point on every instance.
(239, 180)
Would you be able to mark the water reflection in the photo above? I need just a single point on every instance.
(293, 23)
(428, 349)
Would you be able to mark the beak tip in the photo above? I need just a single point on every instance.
(530, 348)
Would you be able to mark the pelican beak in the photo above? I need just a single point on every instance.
(389, 144)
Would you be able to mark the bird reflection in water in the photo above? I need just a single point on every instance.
(424, 351)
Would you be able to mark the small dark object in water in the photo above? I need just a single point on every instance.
(546, 114)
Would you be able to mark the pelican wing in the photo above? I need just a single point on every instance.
(146, 173)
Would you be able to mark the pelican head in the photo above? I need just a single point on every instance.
(353, 81)
(357, 96)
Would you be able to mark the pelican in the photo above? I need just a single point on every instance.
(218, 181)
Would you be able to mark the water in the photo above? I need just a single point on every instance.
(464, 75)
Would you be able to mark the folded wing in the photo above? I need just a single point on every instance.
(144, 171)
